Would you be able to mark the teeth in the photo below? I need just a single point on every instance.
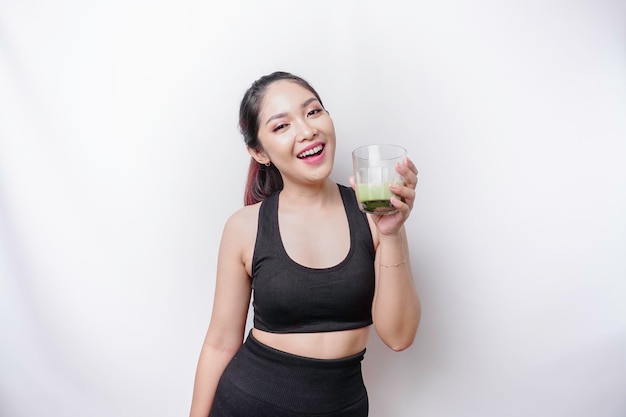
(311, 151)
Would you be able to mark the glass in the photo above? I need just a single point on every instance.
(374, 170)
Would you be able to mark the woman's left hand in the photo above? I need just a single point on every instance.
(390, 224)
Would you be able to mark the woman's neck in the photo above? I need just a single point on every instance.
(321, 195)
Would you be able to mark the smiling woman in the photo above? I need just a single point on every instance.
(115, 118)
(296, 124)
(264, 178)
(309, 257)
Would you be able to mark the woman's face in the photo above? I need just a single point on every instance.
(296, 133)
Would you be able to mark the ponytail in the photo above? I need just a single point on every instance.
(262, 182)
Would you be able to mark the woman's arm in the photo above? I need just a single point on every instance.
(228, 319)
(396, 309)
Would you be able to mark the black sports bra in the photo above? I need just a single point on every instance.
(292, 298)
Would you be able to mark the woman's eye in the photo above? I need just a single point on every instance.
(279, 127)
(313, 112)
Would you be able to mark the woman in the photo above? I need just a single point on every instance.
(321, 271)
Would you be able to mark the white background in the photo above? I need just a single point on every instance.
(120, 160)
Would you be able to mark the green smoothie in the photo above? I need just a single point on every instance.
(375, 198)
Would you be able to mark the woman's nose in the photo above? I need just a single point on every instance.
(305, 130)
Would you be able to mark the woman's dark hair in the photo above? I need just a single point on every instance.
(263, 180)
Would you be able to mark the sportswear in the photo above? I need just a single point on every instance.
(292, 298)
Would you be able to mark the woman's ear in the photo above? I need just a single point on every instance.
(259, 155)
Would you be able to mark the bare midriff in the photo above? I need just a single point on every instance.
(323, 345)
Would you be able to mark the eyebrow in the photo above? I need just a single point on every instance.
(279, 115)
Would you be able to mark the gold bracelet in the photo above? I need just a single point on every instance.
(394, 265)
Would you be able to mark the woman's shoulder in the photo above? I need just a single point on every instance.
(243, 220)
(239, 235)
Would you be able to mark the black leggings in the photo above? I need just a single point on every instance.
(261, 381)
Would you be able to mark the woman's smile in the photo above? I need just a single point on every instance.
(313, 155)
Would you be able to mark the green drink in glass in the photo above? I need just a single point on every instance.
(374, 170)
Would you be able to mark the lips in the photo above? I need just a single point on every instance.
(311, 151)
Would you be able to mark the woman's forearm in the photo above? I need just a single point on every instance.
(396, 309)
(211, 365)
